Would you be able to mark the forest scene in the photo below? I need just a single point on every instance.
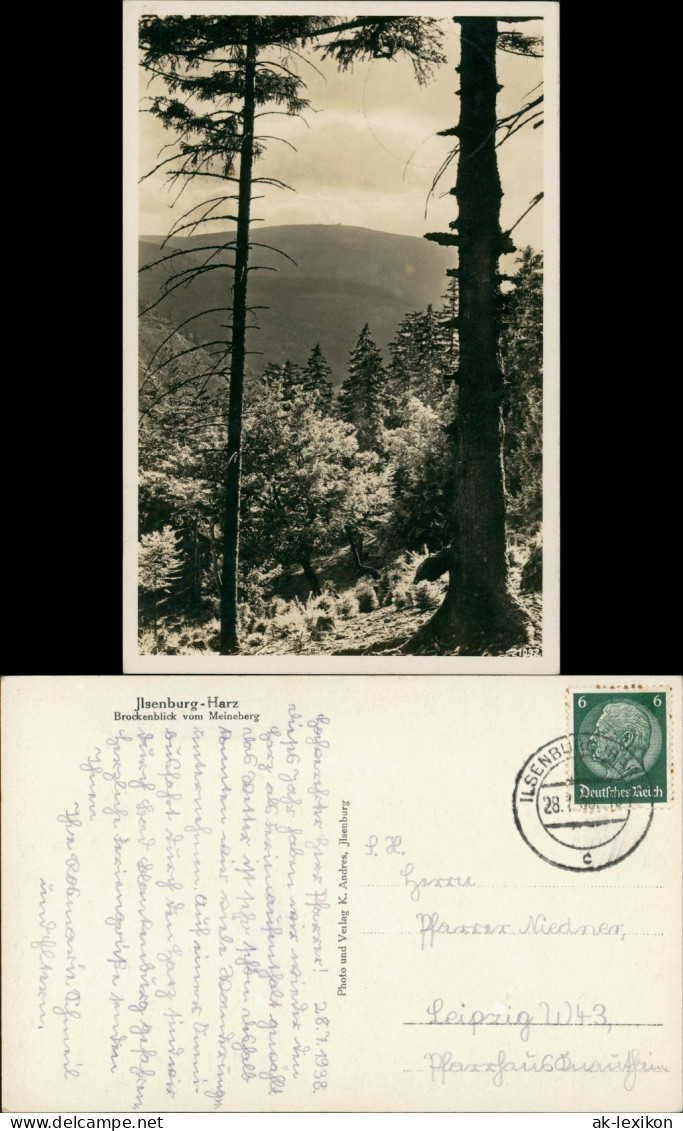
(340, 396)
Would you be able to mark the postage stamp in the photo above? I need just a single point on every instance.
(578, 838)
(620, 746)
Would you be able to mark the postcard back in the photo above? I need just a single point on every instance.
(341, 894)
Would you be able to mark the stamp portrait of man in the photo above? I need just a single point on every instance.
(621, 740)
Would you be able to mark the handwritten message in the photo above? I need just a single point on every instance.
(199, 869)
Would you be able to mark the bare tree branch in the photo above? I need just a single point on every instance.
(534, 202)
(178, 328)
(186, 251)
(174, 389)
(183, 353)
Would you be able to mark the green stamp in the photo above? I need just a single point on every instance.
(620, 747)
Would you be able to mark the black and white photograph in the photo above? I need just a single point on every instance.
(341, 426)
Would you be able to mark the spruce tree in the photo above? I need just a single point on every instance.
(318, 374)
(420, 359)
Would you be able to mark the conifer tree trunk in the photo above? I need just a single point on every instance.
(231, 523)
(356, 550)
(477, 612)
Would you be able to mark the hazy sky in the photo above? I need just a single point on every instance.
(350, 164)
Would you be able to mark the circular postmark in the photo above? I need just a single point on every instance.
(577, 837)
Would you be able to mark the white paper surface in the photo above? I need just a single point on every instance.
(323, 900)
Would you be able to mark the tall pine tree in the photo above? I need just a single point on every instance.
(217, 80)
(478, 611)
(219, 73)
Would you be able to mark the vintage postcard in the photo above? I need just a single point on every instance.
(341, 337)
(341, 894)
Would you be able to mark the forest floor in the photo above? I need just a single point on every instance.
(351, 617)
(384, 629)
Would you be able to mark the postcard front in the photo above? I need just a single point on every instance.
(342, 403)
(338, 894)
